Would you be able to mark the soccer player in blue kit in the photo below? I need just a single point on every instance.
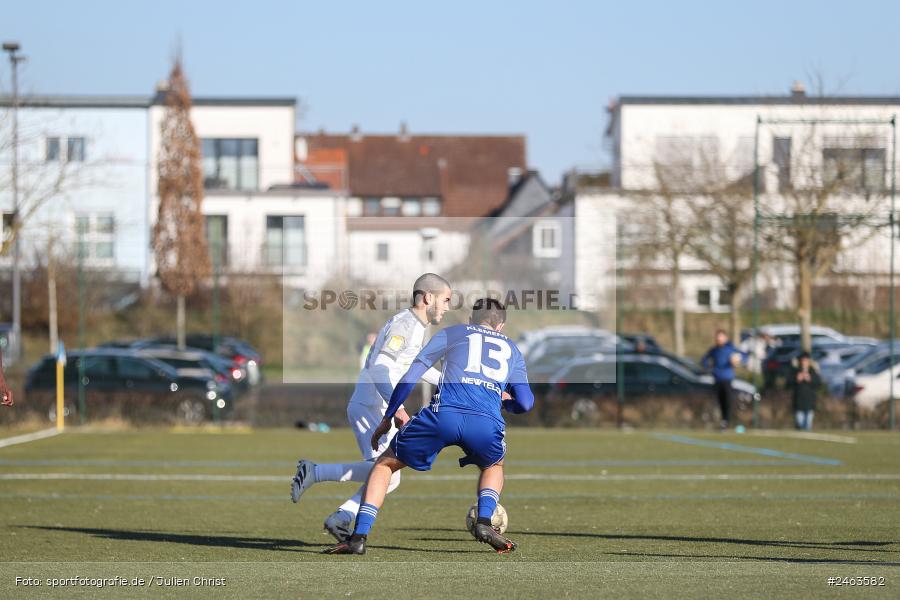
(483, 371)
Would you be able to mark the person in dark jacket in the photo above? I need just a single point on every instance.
(721, 360)
(805, 383)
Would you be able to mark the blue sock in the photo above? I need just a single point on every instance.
(487, 502)
(365, 519)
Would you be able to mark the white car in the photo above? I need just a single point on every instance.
(874, 388)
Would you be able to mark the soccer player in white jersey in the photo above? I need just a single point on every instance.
(396, 346)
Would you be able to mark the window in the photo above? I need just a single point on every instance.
(52, 149)
(354, 207)
(381, 252)
(390, 206)
(130, 368)
(724, 297)
(217, 239)
(98, 367)
(95, 236)
(431, 207)
(781, 156)
(75, 151)
(854, 168)
(285, 241)
(7, 223)
(546, 239)
(412, 207)
(230, 164)
(372, 207)
(703, 297)
(646, 373)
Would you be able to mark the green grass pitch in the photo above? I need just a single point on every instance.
(646, 514)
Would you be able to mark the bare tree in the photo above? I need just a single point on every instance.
(179, 243)
(42, 177)
(828, 205)
(665, 226)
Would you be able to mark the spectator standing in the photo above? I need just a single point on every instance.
(721, 359)
(804, 383)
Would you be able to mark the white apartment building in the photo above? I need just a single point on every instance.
(89, 165)
(799, 138)
(83, 177)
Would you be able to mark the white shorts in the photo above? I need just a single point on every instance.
(364, 418)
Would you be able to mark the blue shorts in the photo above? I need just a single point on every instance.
(419, 442)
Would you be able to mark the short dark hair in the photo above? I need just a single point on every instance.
(803, 355)
(488, 310)
(428, 283)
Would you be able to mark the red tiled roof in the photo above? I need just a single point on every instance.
(470, 173)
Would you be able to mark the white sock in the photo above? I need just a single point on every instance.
(351, 506)
(358, 471)
(395, 481)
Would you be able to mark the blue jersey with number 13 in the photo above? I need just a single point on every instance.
(479, 364)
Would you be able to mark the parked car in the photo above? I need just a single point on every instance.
(837, 367)
(236, 349)
(529, 340)
(237, 374)
(780, 360)
(788, 334)
(872, 388)
(643, 374)
(137, 383)
(638, 340)
(194, 363)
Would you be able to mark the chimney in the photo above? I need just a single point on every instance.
(513, 175)
(404, 133)
(798, 90)
(355, 134)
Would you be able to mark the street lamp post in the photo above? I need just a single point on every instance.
(14, 59)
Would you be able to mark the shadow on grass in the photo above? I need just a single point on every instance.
(830, 561)
(850, 545)
(220, 541)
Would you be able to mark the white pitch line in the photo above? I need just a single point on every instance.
(799, 435)
(29, 437)
(520, 476)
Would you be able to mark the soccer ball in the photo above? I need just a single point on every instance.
(499, 519)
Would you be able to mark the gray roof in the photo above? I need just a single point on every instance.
(769, 100)
(91, 101)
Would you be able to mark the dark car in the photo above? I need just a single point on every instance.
(779, 362)
(241, 352)
(643, 374)
(238, 373)
(641, 340)
(195, 363)
(551, 354)
(135, 384)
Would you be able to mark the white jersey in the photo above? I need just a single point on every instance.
(397, 345)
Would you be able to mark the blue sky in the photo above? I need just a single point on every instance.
(543, 69)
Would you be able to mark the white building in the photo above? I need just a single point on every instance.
(89, 165)
(83, 177)
(799, 138)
